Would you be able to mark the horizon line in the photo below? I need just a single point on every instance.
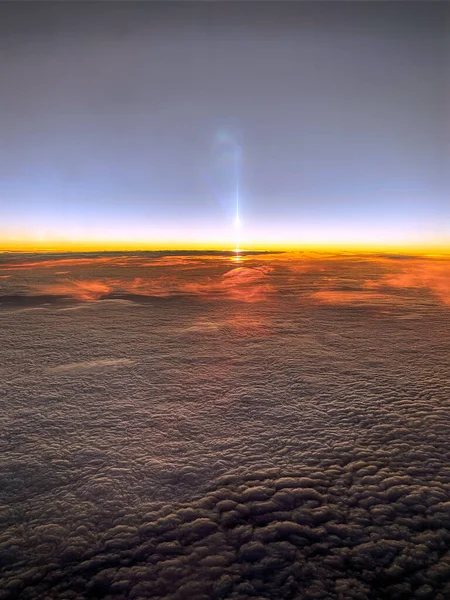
(63, 247)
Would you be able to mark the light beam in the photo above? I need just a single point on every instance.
(237, 220)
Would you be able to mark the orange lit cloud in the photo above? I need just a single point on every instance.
(86, 290)
(431, 275)
(242, 283)
(89, 290)
(159, 286)
(172, 261)
(330, 280)
(57, 262)
(435, 277)
(347, 297)
(116, 261)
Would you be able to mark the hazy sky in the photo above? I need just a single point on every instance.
(113, 118)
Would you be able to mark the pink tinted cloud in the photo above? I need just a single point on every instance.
(347, 297)
(427, 274)
(434, 276)
(94, 289)
(242, 283)
(86, 290)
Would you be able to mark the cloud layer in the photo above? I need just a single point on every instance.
(275, 427)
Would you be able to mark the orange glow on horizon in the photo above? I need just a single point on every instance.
(59, 245)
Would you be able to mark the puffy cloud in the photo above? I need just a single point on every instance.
(289, 447)
(241, 283)
(79, 289)
(337, 297)
(431, 275)
(321, 533)
(331, 279)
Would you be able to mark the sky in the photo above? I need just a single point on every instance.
(137, 125)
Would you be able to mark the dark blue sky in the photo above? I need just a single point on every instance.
(110, 115)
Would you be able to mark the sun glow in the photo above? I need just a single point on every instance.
(239, 235)
(236, 236)
(223, 244)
